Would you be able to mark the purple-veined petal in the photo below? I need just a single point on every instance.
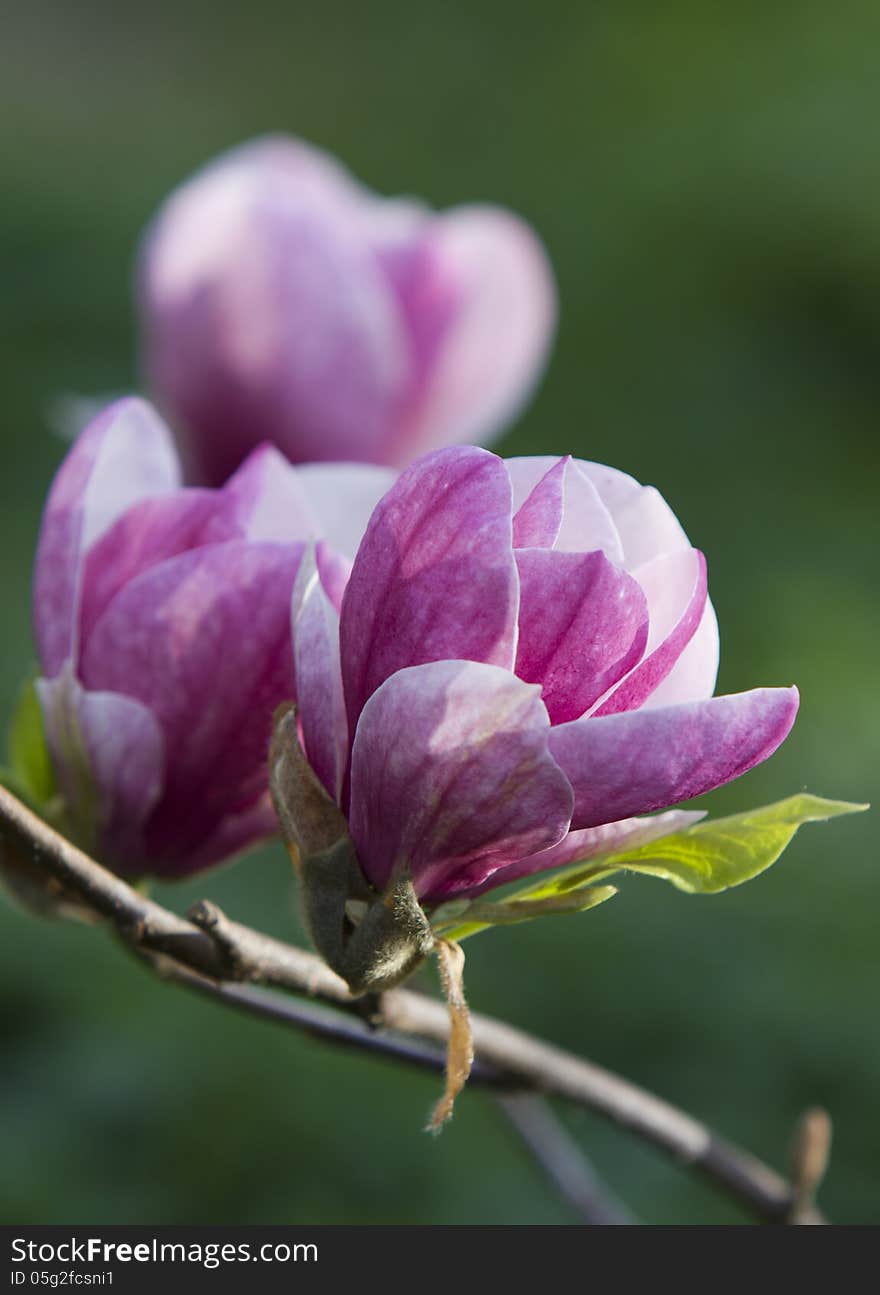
(429, 297)
(583, 623)
(693, 676)
(321, 706)
(451, 777)
(342, 497)
(526, 472)
(203, 640)
(675, 587)
(537, 520)
(589, 843)
(108, 755)
(638, 761)
(124, 455)
(267, 315)
(236, 832)
(265, 499)
(434, 577)
(149, 532)
(557, 506)
(494, 348)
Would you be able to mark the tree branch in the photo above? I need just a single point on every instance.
(208, 952)
(564, 1165)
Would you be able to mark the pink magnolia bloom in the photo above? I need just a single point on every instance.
(523, 668)
(282, 301)
(162, 625)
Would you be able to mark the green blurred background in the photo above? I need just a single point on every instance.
(707, 181)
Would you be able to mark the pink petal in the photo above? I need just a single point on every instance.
(148, 533)
(108, 755)
(451, 777)
(675, 587)
(537, 520)
(693, 676)
(318, 675)
(342, 497)
(124, 455)
(590, 843)
(526, 473)
(233, 834)
(646, 524)
(265, 499)
(587, 524)
(638, 761)
(494, 349)
(203, 640)
(583, 623)
(434, 577)
(557, 506)
(267, 315)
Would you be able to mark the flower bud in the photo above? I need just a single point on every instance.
(282, 301)
(162, 620)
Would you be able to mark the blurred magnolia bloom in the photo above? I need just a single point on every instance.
(163, 630)
(282, 301)
(522, 670)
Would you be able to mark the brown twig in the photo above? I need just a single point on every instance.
(565, 1166)
(809, 1161)
(213, 955)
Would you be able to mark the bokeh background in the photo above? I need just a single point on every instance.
(707, 181)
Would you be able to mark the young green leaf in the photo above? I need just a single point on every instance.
(457, 923)
(709, 856)
(30, 769)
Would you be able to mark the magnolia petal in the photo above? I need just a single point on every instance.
(675, 587)
(342, 497)
(125, 454)
(265, 499)
(321, 705)
(148, 533)
(537, 520)
(693, 676)
(583, 623)
(556, 505)
(203, 640)
(451, 777)
(648, 527)
(108, 755)
(495, 346)
(434, 577)
(234, 833)
(587, 524)
(591, 843)
(527, 471)
(267, 315)
(638, 761)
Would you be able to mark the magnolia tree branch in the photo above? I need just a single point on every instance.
(570, 1173)
(218, 957)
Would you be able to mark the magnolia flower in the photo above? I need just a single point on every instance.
(162, 625)
(522, 670)
(282, 301)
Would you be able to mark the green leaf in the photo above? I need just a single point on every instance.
(710, 856)
(459, 919)
(30, 768)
